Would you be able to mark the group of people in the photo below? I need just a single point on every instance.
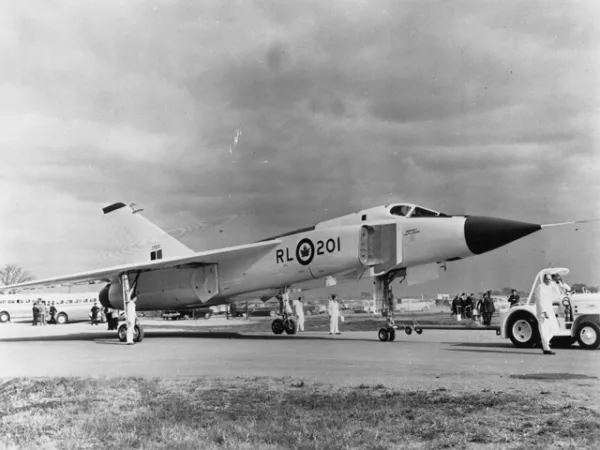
(469, 307)
(43, 314)
(551, 290)
(296, 307)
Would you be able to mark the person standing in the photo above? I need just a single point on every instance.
(299, 310)
(488, 309)
(95, 310)
(514, 298)
(333, 308)
(108, 312)
(43, 311)
(36, 314)
(131, 316)
(53, 312)
(454, 307)
(563, 288)
(544, 310)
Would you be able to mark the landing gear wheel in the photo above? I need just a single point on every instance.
(523, 330)
(383, 334)
(418, 330)
(138, 333)
(392, 334)
(408, 330)
(290, 325)
(588, 335)
(277, 326)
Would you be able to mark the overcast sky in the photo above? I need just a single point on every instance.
(248, 119)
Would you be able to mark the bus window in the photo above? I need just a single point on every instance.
(28, 301)
(60, 302)
(10, 302)
(2, 302)
(69, 302)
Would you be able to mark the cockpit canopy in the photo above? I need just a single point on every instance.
(384, 212)
(408, 210)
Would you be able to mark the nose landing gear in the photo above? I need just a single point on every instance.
(385, 298)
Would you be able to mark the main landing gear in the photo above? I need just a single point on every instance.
(138, 330)
(287, 323)
(384, 297)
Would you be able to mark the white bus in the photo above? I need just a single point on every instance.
(70, 307)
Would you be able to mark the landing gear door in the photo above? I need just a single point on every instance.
(205, 282)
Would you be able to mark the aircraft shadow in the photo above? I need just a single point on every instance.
(509, 346)
(492, 351)
(111, 338)
(480, 344)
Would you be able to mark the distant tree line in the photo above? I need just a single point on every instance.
(13, 274)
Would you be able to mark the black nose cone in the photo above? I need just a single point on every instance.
(488, 233)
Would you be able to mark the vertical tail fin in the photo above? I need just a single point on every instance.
(139, 239)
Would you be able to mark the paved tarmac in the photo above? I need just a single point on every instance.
(437, 358)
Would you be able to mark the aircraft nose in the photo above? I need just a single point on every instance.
(483, 234)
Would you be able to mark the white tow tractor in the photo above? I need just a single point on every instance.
(578, 318)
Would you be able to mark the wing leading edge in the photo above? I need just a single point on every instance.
(200, 258)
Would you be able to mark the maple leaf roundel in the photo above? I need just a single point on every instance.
(305, 251)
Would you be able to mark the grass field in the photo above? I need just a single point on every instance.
(280, 414)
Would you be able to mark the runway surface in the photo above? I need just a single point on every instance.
(450, 359)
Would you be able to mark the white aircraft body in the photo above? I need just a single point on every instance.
(398, 239)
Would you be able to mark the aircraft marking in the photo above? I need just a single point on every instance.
(306, 251)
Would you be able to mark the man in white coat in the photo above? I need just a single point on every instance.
(333, 309)
(562, 287)
(131, 315)
(547, 323)
(299, 310)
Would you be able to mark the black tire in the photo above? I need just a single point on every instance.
(62, 318)
(290, 325)
(207, 315)
(522, 330)
(4, 317)
(408, 330)
(138, 333)
(588, 335)
(392, 334)
(277, 326)
(383, 334)
(308, 312)
(418, 330)
(562, 341)
(122, 333)
(272, 313)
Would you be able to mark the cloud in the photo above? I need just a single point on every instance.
(462, 106)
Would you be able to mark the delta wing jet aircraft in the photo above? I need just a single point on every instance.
(383, 243)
